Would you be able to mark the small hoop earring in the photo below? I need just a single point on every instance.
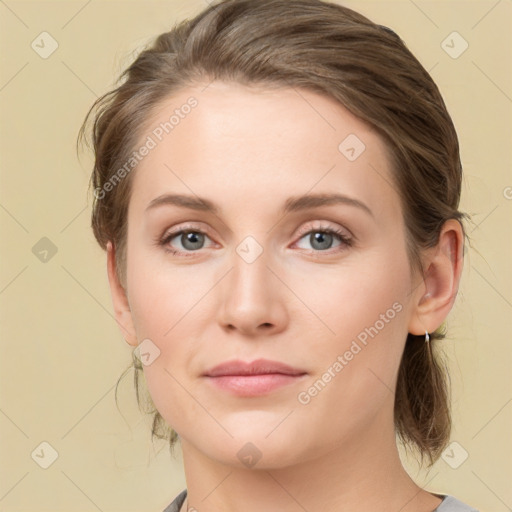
(427, 337)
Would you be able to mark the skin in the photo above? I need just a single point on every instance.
(248, 150)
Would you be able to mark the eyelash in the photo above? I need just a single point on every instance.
(342, 237)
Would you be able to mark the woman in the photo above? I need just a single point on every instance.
(277, 186)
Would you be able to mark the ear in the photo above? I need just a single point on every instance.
(435, 296)
(123, 314)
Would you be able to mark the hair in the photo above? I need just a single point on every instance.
(328, 49)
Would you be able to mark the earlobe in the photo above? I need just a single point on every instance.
(122, 312)
(441, 280)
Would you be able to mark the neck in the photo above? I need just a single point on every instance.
(360, 475)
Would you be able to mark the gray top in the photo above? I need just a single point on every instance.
(449, 504)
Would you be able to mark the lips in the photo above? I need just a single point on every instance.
(256, 378)
(258, 367)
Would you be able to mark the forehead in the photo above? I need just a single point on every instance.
(239, 143)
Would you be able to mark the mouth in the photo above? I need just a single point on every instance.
(256, 378)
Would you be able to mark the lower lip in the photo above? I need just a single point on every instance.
(253, 385)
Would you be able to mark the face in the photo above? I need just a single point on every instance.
(257, 271)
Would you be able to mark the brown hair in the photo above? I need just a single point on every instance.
(331, 50)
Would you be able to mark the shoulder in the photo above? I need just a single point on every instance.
(452, 504)
(177, 502)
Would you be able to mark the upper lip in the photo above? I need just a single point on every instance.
(257, 367)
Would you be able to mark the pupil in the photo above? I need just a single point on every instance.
(191, 240)
(324, 239)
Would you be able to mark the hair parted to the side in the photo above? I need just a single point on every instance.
(334, 51)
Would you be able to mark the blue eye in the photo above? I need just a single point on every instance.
(190, 240)
(322, 239)
(193, 240)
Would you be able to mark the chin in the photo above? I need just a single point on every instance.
(256, 450)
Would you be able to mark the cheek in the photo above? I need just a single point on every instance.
(161, 296)
(366, 310)
(167, 309)
(367, 291)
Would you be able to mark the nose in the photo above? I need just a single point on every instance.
(253, 299)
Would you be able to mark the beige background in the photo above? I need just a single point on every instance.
(62, 353)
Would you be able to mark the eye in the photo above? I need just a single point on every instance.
(322, 239)
(187, 241)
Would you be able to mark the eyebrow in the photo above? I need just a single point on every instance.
(292, 204)
(185, 201)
